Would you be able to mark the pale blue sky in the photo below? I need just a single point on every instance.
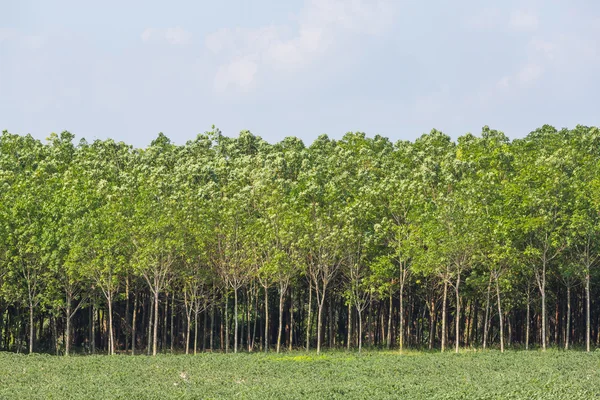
(129, 69)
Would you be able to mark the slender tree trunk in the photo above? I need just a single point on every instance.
(55, 336)
(133, 323)
(68, 328)
(248, 323)
(457, 329)
(163, 345)
(349, 340)
(187, 332)
(528, 320)
(111, 334)
(155, 339)
(196, 330)
(486, 322)
(308, 318)
(321, 302)
(92, 327)
(280, 326)
(444, 303)
(149, 338)
(544, 320)
(255, 320)
(212, 320)
(319, 325)
(172, 322)
(388, 339)
(568, 327)
(226, 323)
(291, 320)
(235, 320)
(359, 329)
(432, 325)
(587, 311)
(401, 311)
(204, 326)
(500, 315)
(266, 319)
(31, 329)
(542, 287)
(127, 319)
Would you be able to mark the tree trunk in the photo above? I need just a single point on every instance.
(212, 321)
(149, 337)
(320, 322)
(388, 341)
(309, 318)
(235, 320)
(187, 333)
(359, 329)
(587, 311)
(401, 311)
(204, 327)
(432, 325)
(155, 336)
(444, 302)
(163, 345)
(280, 326)
(92, 327)
(457, 329)
(133, 323)
(528, 319)
(266, 319)
(172, 323)
(111, 334)
(349, 340)
(226, 323)
(31, 328)
(196, 330)
(486, 322)
(68, 329)
(568, 327)
(542, 287)
(291, 320)
(127, 319)
(500, 315)
(543, 320)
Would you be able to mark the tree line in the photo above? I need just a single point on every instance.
(235, 244)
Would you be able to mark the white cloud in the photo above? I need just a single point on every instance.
(321, 24)
(488, 18)
(174, 36)
(6, 33)
(545, 47)
(239, 73)
(504, 83)
(529, 74)
(31, 42)
(177, 36)
(147, 34)
(521, 20)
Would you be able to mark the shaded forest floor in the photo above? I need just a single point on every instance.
(415, 375)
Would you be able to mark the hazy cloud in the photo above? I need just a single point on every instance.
(320, 25)
(173, 36)
(523, 21)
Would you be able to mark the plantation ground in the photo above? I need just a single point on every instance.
(517, 375)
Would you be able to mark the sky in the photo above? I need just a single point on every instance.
(130, 69)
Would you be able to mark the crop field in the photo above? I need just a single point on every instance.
(472, 375)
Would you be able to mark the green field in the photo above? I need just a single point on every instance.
(488, 375)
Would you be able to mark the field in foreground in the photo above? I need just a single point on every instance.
(487, 375)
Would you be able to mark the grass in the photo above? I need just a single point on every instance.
(334, 375)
